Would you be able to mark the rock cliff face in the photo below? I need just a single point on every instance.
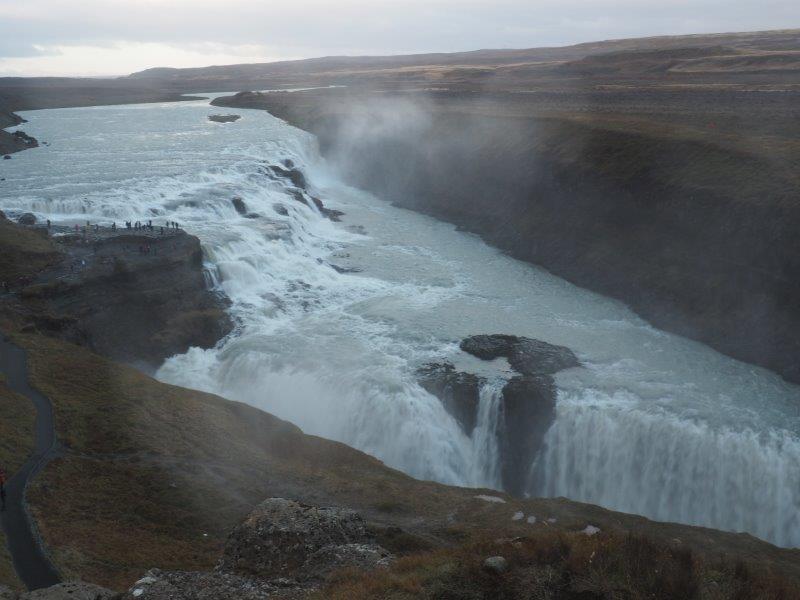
(695, 232)
(528, 398)
(132, 296)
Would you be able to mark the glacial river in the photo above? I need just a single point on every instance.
(651, 423)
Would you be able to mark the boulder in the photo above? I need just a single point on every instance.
(459, 392)
(27, 219)
(285, 539)
(280, 209)
(525, 355)
(239, 205)
(71, 591)
(496, 564)
(529, 403)
(7, 157)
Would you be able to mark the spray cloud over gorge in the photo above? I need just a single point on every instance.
(650, 423)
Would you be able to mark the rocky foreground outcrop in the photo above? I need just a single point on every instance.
(134, 296)
(528, 398)
(283, 549)
(62, 591)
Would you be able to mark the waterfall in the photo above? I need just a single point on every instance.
(484, 438)
(672, 468)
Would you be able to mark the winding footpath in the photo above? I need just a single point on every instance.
(30, 561)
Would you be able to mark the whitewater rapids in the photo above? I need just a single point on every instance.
(652, 423)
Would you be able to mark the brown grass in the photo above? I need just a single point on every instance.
(8, 576)
(23, 252)
(561, 566)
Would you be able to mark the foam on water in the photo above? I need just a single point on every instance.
(652, 424)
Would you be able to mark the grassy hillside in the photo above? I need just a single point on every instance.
(23, 252)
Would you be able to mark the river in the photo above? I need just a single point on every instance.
(652, 423)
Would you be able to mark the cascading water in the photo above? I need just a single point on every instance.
(652, 423)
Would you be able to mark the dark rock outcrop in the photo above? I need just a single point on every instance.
(27, 219)
(280, 209)
(282, 547)
(332, 214)
(293, 174)
(132, 297)
(285, 539)
(239, 205)
(224, 118)
(458, 391)
(14, 142)
(525, 355)
(528, 411)
(529, 398)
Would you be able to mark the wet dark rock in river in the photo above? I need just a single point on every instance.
(239, 205)
(333, 215)
(528, 399)
(280, 209)
(297, 195)
(288, 163)
(224, 118)
(296, 176)
(525, 355)
(459, 392)
(27, 219)
(340, 269)
(529, 403)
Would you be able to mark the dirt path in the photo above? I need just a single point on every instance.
(30, 561)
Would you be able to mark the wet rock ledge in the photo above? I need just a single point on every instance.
(137, 296)
(529, 397)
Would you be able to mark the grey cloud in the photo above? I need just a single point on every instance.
(297, 29)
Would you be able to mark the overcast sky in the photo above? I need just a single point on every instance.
(114, 37)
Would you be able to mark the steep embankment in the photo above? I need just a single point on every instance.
(695, 229)
(135, 296)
